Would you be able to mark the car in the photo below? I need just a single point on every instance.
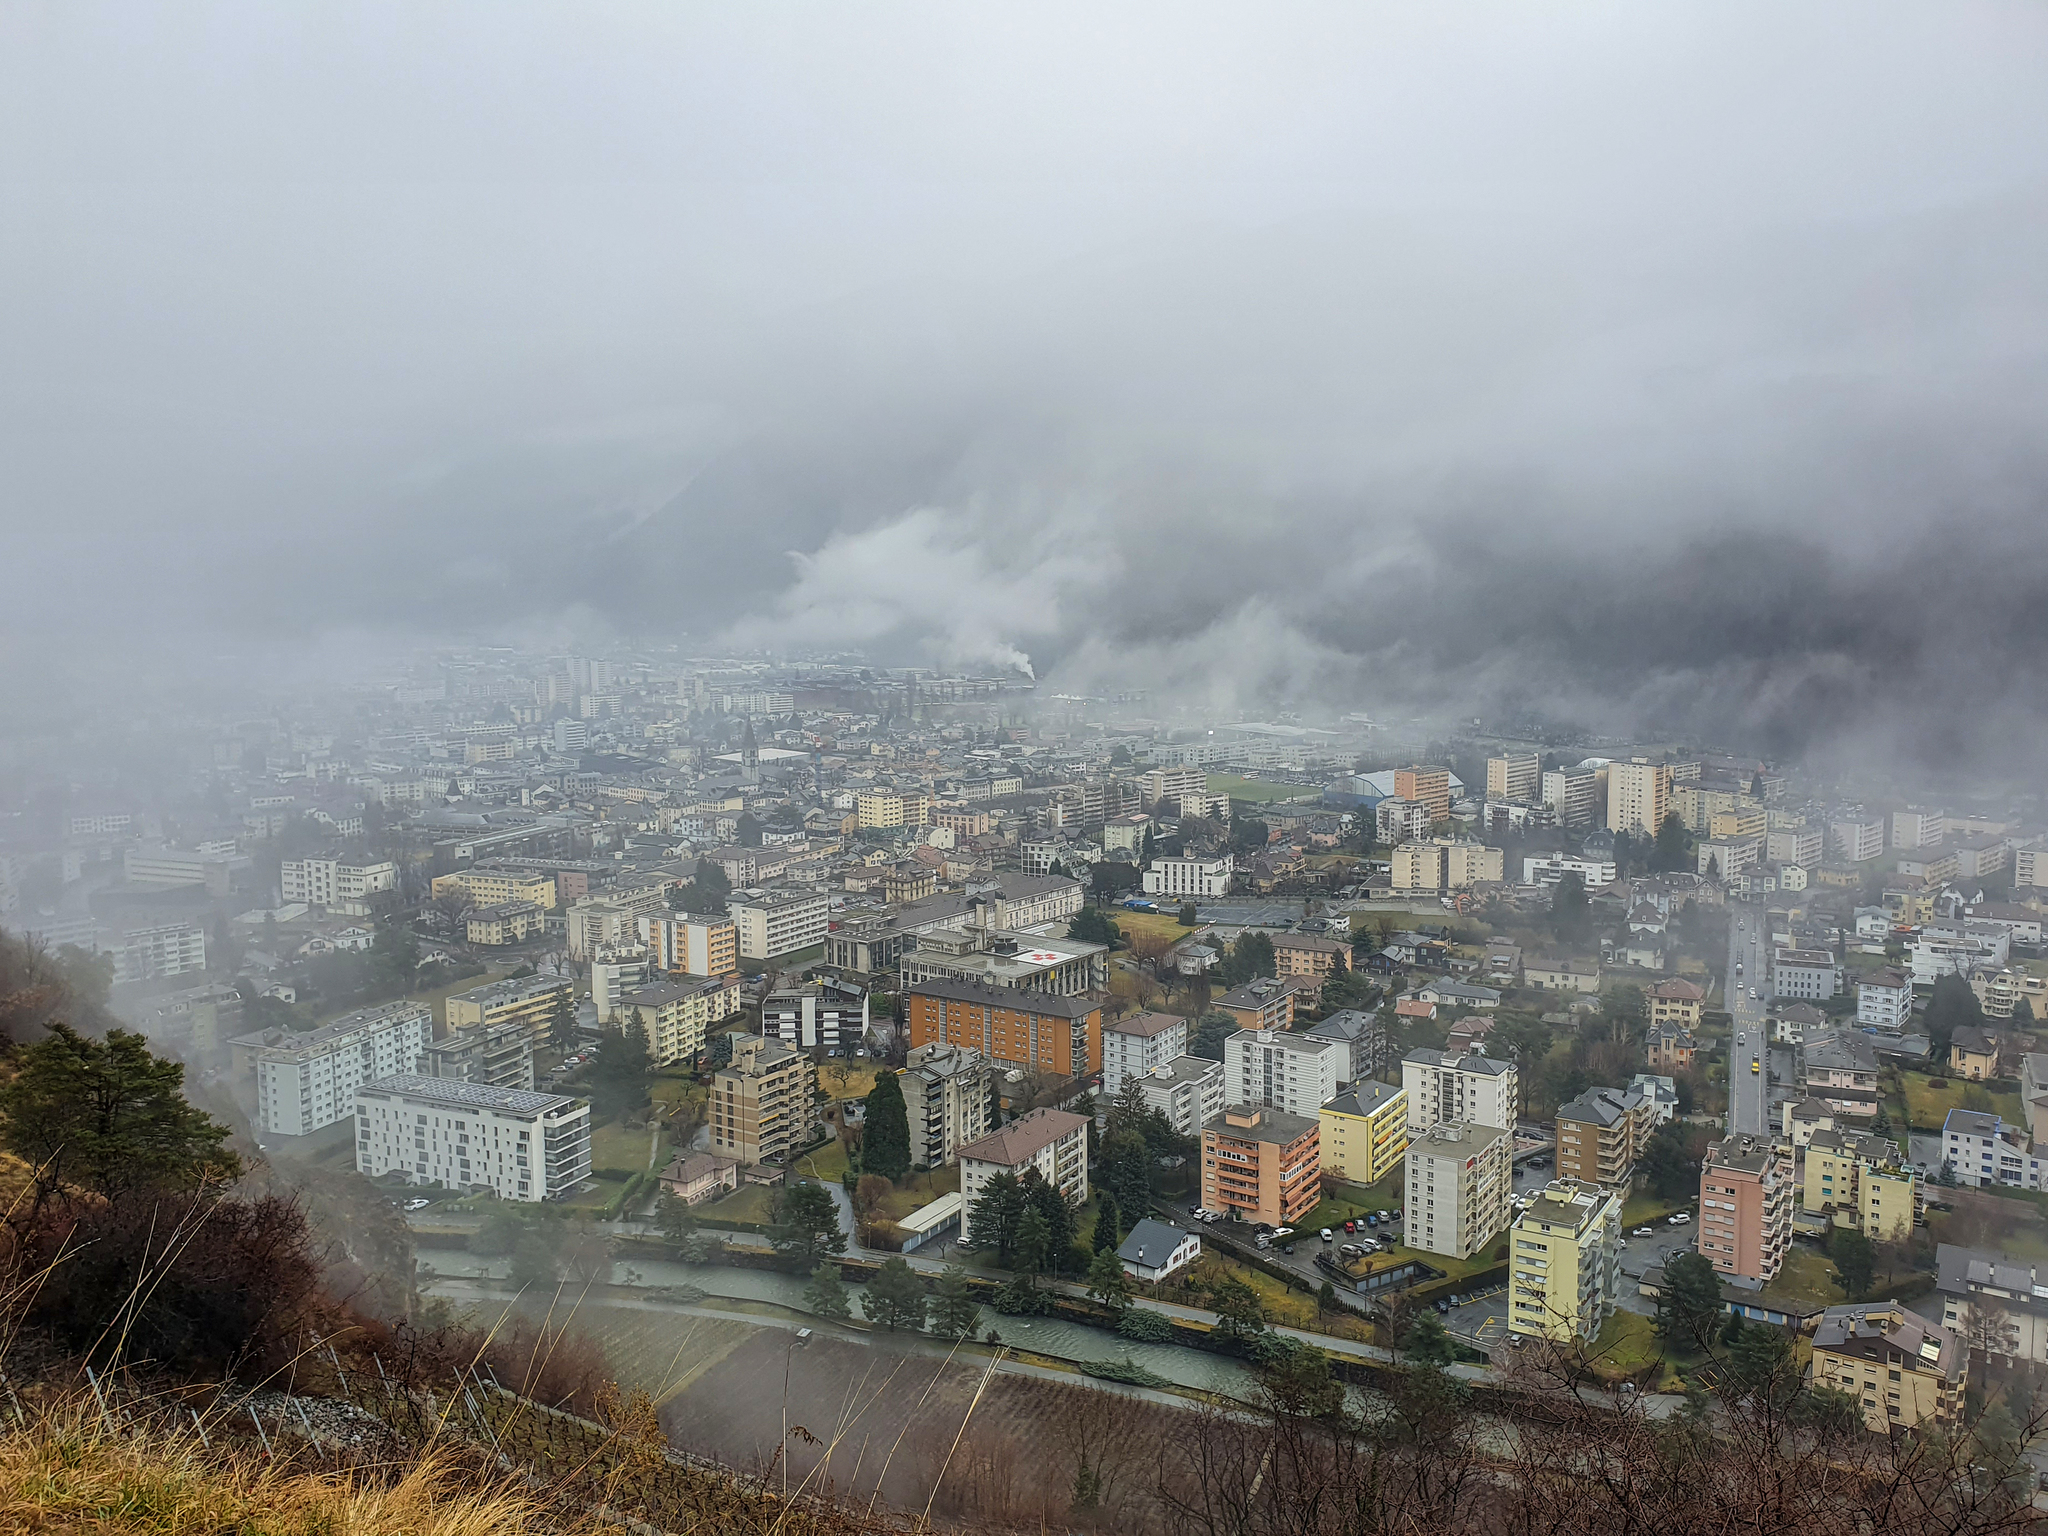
(1351, 1251)
(1350, 1226)
(1644, 1232)
(417, 1205)
(1372, 1220)
(1263, 1227)
(1369, 1246)
(1442, 1305)
(1679, 1218)
(1280, 1232)
(1397, 1213)
(1752, 994)
(1329, 1236)
(1756, 1064)
(1197, 1212)
(1288, 1250)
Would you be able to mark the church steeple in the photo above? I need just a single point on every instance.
(750, 755)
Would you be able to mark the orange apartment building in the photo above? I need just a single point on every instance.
(1309, 959)
(1032, 1031)
(1425, 786)
(1746, 1198)
(1261, 1163)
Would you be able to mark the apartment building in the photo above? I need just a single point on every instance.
(1265, 1002)
(1456, 1187)
(1982, 1150)
(1746, 1195)
(1471, 1089)
(169, 949)
(1364, 1132)
(305, 1082)
(814, 1017)
(775, 923)
(1418, 868)
(1996, 1302)
(1574, 794)
(1028, 961)
(1051, 1141)
(490, 887)
(885, 808)
(1675, 1003)
(1034, 1032)
(510, 922)
(948, 1091)
(1428, 786)
(677, 1013)
(1310, 959)
(1858, 838)
(1515, 776)
(763, 1105)
(696, 946)
(1133, 1046)
(1594, 874)
(1602, 1132)
(612, 922)
(1364, 1038)
(1188, 1090)
(1802, 846)
(1913, 827)
(1294, 1073)
(501, 1057)
(1809, 975)
(1190, 879)
(1858, 1180)
(2030, 865)
(1670, 1049)
(1564, 1262)
(1395, 820)
(1902, 1369)
(1746, 824)
(1884, 1001)
(341, 884)
(1840, 1069)
(1261, 1164)
(525, 1000)
(1638, 796)
(433, 1130)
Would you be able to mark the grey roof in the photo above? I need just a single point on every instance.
(1959, 1270)
(1870, 1322)
(1347, 1024)
(1145, 1025)
(1601, 1106)
(1019, 999)
(1364, 1098)
(1471, 1061)
(1151, 1243)
(1970, 1122)
(1843, 1051)
(453, 1093)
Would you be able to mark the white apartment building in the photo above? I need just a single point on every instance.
(1133, 1046)
(2030, 865)
(1514, 776)
(306, 1082)
(612, 922)
(437, 1130)
(811, 1016)
(174, 949)
(1795, 845)
(1859, 838)
(1574, 793)
(1197, 879)
(1468, 1090)
(772, 923)
(947, 1091)
(1050, 1140)
(1730, 856)
(1884, 1001)
(330, 880)
(1917, 828)
(1810, 975)
(1396, 820)
(677, 1012)
(1596, 873)
(1295, 1074)
(1188, 1090)
(1157, 784)
(1456, 1186)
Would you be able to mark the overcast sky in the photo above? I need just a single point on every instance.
(1682, 366)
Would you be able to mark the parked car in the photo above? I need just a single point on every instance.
(1351, 1251)
(1369, 1246)
(1288, 1250)
(1329, 1236)
(1644, 1232)
(1280, 1232)
(417, 1205)
(1372, 1220)
(1680, 1218)
(1442, 1305)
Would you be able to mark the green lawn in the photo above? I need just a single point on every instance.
(600, 1194)
(1239, 788)
(620, 1146)
(1928, 1100)
(1805, 1280)
(1626, 1344)
(827, 1165)
(923, 1187)
(1644, 1208)
(750, 1202)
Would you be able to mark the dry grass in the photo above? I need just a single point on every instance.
(62, 1472)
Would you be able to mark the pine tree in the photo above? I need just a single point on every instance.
(894, 1298)
(1108, 1283)
(1106, 1216)
(993, 1219)
(1034, 1241)
(954, 1310)
(885, 1135)
(562, 1020)
(826, 1294)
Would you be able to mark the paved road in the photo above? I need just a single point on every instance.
(1749, 1091)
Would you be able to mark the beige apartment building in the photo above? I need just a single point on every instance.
(1428, 786)
(526, 1000)
(1516, 776)
(1456, 1188)
(764, 1104)
(1638, 796)
(493, 887)
(1900, 1368)
(1445, 864)
(677, 1012)
(1746, 1194)
(1858, 1180)
(695, 946)
(1262, 1163)
(1565, 1262)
